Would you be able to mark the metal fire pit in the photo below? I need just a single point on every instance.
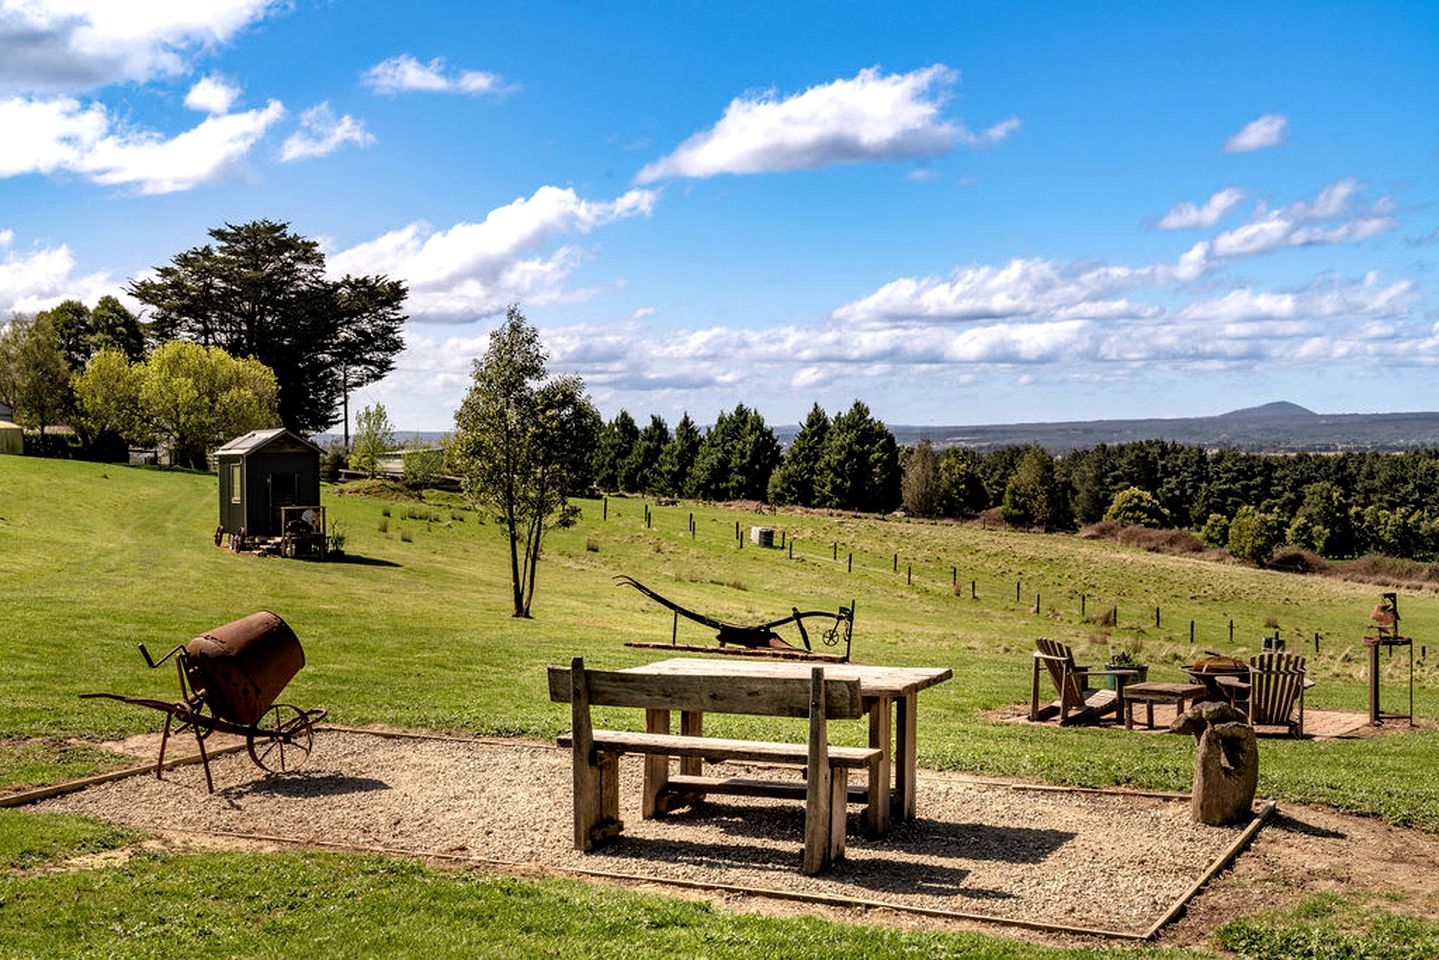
(230, 679)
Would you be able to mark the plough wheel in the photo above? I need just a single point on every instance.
(281, 741)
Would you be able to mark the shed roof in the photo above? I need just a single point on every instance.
(257, 439)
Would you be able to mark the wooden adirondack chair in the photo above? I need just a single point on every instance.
(1276, 682)
(1077, 703)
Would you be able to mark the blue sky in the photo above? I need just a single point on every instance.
(959, 213)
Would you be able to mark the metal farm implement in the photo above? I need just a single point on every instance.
(229, 681)
(760, 639)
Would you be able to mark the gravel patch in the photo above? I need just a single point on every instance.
(1088, 860)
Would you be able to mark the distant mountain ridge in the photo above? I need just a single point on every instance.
(1278, 427)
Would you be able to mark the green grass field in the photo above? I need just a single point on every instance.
(414, 631)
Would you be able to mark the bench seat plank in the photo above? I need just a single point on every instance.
(716, 749)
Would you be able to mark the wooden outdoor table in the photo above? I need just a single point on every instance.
(880, 687)
(1151, 693)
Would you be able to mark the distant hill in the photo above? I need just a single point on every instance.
(1274, 427)
(1279, 408)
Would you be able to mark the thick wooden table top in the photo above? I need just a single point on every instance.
(874, 681)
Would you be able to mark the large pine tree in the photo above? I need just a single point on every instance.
(261, 291)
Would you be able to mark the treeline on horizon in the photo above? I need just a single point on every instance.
(1334, 505)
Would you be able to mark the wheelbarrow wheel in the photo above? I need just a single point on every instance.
(281, 741)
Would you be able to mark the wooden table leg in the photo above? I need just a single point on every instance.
(904, 750)
(1149, 714)
(657, 768)
(692, 724)
(878, 819)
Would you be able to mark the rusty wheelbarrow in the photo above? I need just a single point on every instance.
(229, 681)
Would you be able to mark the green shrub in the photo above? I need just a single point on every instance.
(1133, 507)
(1254, 534)
(1215, 531)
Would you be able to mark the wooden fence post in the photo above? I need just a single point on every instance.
(849, 564)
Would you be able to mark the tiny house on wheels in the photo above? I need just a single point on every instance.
(270, 488)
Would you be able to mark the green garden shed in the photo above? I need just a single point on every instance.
(12, 437)
(261, 473)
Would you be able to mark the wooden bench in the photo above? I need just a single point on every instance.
(596, 753)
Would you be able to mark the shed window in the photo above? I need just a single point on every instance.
(234, 483)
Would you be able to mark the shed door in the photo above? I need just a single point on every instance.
(283, 489)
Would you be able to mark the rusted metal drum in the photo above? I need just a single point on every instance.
(243, 666)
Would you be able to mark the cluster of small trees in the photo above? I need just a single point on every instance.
(850, 462)
(244, 333)
(1339, 505)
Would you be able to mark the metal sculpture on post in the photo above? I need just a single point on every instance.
(758, 639)
(1385, 623)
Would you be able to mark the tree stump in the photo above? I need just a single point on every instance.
(1226, 763)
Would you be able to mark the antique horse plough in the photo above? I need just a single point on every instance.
(758, 639)
(229, 680)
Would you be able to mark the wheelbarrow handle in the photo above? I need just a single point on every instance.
(155, 663)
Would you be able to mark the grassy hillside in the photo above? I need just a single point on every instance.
(414, 631)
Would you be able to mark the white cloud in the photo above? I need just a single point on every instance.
(473, 270)
(42, 136)
(868, 117)
(213, 94)
(153, 164)
(1033, 288)
(404, 73)
(7, 237)
(71, 45)
(1266, 131)
(62, 135)
(42, 278)
(322, 133)
(1187, 216)
(1291, 226)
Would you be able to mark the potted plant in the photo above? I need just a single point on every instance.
(1124, 655)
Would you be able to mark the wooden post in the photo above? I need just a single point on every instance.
(1081, 605)
(657, 768)
(791, 549)
(954, 576)
(1016, 591)
(904, 750)
(834, 550)
(1191, 633)
(909, 573)
(1156, 617)
(1231, 630)
(674, 634)
(736, 530)
(1036, 604)
(782, 539)
(895, 566)
(972, 594)
(607, 509)
(877, 816)
(692, 724)
(849, 564)
(817, 812)
(586, 776)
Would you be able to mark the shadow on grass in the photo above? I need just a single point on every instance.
(360, 560)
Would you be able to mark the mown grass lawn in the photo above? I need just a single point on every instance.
(414, 630)
(330, 906)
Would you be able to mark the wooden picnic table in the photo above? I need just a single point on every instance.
(889, 696)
